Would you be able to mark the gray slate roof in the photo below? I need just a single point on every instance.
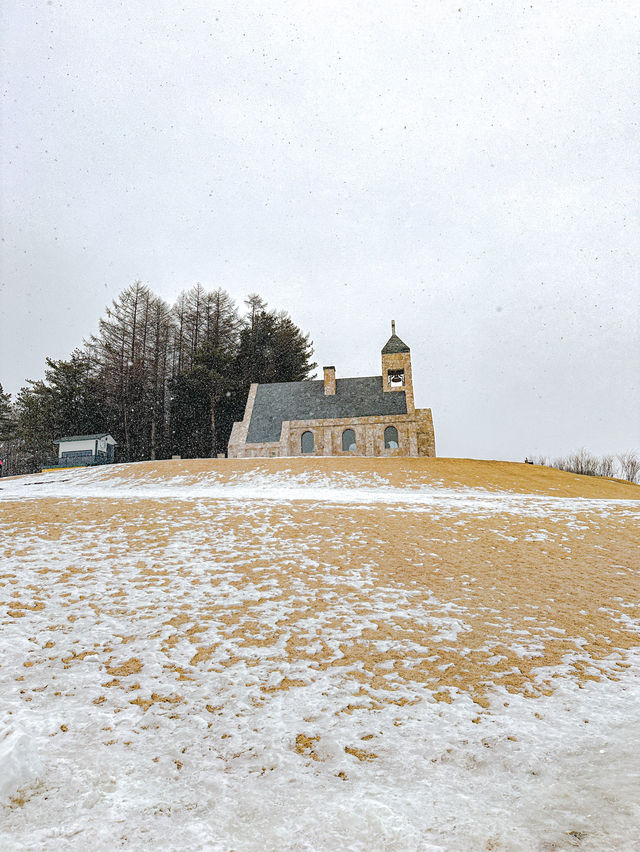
(82, 437)
(360, 397)
(394, 345)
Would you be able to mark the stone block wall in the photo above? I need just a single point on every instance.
(425, 432)
(415, 437)
(415, 430)
(369, 432)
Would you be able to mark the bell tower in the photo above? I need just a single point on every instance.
(396, 368)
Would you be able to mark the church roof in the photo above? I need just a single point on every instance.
(358, 397)
(394, 345)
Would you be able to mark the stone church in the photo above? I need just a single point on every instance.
(367, 416)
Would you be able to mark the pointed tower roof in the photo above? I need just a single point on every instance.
(394, 344)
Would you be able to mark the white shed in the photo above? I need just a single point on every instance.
(86, 449)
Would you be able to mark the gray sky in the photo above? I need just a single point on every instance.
(468, 170)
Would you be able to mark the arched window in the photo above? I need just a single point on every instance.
(306, 443)
(348, 439)
(391, 438)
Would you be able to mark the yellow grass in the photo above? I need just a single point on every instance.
(401, 472)
(560, 585)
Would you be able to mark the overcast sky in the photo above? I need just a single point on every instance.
(469, 169)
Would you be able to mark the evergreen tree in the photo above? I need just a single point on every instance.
(68, 402)
(272, 348)
(291, 351)
(190, 417)
(36, 424)
(7, 416)
(161, 380)
(75, 398)
(8, 434)
(210, 378)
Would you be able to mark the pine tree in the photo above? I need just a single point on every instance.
(161, 380)
(205, 385)
(8, 437)
(75, 396)
(68, 402)
(36, 423)
(272, 349)
(7, 417)
(292, 351)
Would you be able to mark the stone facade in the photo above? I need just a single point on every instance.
(412, 432)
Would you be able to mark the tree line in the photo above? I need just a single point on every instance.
(163, 380)
(624, 466)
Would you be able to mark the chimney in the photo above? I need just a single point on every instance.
(393, 326)
(329, 381)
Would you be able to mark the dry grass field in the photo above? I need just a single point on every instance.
(319, 654)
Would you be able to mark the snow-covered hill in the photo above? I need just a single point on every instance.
(319, 654)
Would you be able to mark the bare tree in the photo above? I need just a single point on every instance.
(541, 460)
(560, 464)
(131, 355)
(584, 463)
(192, 316)
(630, 465)
(159, 351)
(607, 466)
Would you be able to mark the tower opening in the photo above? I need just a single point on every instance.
(395, 378)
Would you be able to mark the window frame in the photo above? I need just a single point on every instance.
(388, 439)
(302, 442)
(352, 444)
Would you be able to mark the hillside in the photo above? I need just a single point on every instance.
(312, 653)
(397, 473)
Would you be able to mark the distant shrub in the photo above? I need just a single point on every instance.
(625, 465)
(607, 466)
(584, 463)
(630, 465)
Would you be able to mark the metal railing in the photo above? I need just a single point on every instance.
(77, 462)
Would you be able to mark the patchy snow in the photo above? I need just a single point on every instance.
(19, 760)
(260, 664)
(539, 773)
(348, 488)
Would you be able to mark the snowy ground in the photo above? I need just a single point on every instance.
(283, 659)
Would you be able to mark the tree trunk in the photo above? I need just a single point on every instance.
(213, 426)
(152, 453)
(127, 441)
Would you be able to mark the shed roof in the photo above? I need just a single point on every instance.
(84, 438)
(358, 397)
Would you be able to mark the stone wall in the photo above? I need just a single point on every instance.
(369, 432)
(415, 429)
(238, 440)
(415, 437)
(425, 432)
